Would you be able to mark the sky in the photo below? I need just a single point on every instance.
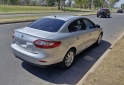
(119, 3)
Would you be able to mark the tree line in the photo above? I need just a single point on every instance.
(96, 3)
(80, 3)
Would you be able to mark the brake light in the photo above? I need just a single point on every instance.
(46, 44)
(13, 34)
(42, 61)
(105, 12)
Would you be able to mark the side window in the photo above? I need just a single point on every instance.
(89, 24)
(77, 25)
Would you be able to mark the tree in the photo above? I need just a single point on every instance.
(97, 3)
(14, 2)
(78, 2)
(27, 2)
(90, 3)
(82, 3)
(5, 1)
(58, 1)
(122, 6)
(102, 3)
(51, 2)
(69, 3)
(85, 3)
(112, 2)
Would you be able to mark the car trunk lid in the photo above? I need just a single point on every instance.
(25, 38)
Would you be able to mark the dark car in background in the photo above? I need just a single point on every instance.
(120, 11)
(104, 12)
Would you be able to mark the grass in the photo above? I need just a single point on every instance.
(26, 9)
(17, 19)
(78, 10)
(33, 17)
(4, 9)
(111, 70)
(8, 9)
(36, 9)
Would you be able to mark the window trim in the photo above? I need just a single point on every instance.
(46, 18)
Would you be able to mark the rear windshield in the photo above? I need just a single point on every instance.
(47, 24)
(105, 9)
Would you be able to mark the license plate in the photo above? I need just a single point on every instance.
(25, 44)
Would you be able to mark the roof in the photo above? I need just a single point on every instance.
(62, 17)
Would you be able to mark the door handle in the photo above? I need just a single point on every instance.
(77, 38)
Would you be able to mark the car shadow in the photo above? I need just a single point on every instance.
(106, 17)
(83, 62)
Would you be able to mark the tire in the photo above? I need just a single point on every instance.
(99, 39)
(105, 16)
(97, 15)
(68, 60)
(109, 16)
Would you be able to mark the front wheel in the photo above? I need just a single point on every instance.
(99, 39)
(68, 59)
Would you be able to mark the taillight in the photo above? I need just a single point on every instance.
(42, 61)
(46, 44)
(13, 34)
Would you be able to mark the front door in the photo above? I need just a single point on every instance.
(81, 36)
(92, 30)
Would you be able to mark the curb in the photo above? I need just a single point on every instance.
(92, 69)
(17, 22)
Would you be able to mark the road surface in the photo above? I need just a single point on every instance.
(16, 72)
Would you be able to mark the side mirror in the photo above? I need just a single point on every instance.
(97, 26)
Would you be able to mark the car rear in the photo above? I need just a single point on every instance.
(31, 43)
(103, 13)
(120, 11)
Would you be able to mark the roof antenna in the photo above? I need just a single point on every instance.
(53, 13)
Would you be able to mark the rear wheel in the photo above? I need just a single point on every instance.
(109, 16)
(97, 15)
(68, 59)
(105, 16)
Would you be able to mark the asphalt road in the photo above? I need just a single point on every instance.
(16, 72)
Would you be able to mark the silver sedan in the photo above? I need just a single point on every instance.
(55, 39)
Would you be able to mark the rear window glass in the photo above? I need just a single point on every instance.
(105, 9)
(47, 24)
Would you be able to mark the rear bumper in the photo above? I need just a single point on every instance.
(34, 58)
(103, 15)
(42, 66)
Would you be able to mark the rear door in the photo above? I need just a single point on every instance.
(81, 36)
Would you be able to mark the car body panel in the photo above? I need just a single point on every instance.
(23, 43)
